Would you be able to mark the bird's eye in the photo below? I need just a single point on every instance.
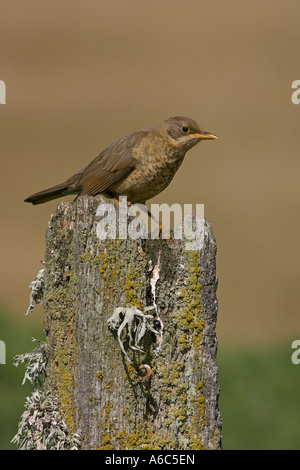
(185, 129)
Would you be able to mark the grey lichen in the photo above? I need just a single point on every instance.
(136, 323)
(41, 426)
(37, 291)
(36, 364)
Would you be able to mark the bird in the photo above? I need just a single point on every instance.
(139, 165)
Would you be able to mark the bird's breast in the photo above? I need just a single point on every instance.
(151, 175)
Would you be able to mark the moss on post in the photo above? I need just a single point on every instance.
(96, 388)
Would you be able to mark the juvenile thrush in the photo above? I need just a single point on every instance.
(139, 165)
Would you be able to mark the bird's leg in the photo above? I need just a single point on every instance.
(161, 228)
(117, 202)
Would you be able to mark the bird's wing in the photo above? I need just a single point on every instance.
(110, 166)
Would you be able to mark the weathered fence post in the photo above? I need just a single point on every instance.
(95, 294)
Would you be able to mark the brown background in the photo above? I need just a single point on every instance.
(81, 74)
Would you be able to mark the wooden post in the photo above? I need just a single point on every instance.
(101, 391)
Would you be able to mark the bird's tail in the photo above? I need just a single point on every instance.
(60, 190)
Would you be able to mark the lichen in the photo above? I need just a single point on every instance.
(61, 310)
(36, 291)
(189, 319)
(41, 426)
(117, 275)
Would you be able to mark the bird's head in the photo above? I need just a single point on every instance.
(186, 132)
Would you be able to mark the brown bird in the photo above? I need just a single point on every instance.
(139, 165)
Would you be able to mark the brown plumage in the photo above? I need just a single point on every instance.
(139, 165)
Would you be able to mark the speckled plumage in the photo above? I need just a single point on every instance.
(139, 165)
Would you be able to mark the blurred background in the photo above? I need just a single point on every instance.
(81, 74)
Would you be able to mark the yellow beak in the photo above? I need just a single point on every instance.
(205, 135)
